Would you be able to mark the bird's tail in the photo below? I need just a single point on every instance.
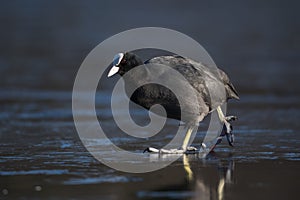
(231, 91)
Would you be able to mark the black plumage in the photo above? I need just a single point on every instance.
(197, 74)
(212, 85)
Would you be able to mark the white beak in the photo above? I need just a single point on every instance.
(113, 71)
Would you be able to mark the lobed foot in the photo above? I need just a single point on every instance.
(189, 150)
(227, 130)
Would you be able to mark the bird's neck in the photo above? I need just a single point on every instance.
(136, 78)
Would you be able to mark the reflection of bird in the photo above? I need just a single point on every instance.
(203, 179)
(207, 82)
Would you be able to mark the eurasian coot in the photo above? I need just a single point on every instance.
(206, 82)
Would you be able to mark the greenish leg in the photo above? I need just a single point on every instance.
(187, 138)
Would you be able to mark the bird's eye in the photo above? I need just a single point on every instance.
(123, 61)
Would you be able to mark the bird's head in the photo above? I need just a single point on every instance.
(123, 62)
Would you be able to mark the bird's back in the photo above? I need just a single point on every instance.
(210, 82)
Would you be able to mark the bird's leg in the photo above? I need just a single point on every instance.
(227, 128)
(184, 148)
(186, 140)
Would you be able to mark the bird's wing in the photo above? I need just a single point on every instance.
(205, 80)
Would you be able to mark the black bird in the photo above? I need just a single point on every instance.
(202, 78)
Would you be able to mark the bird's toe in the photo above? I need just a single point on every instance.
(231, 118)
(230, 138)
(151, 150)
